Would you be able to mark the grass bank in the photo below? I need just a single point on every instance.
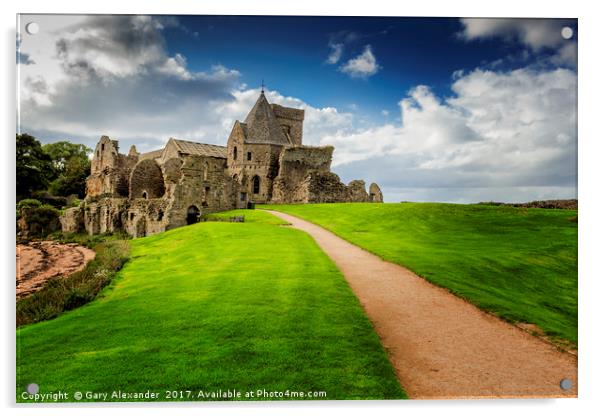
(215, 306)
(518, 263)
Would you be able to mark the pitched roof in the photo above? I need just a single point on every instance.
(262, 125)
(151, 155)
(201, 149)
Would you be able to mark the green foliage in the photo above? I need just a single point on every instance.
(60, 167)
(34, 166)
(63, 152)
(71, 166)
(65, 293)
(27, 203)
(40, 219)
(215, 305)
(519, 263)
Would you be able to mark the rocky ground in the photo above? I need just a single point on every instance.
(39, 261)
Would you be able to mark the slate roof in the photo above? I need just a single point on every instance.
(262, 125)
(201, 149)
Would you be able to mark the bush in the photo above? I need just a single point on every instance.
(36, 219)
(77, 289)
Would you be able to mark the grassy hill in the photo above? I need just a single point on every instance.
(212, 306)
(518, 263)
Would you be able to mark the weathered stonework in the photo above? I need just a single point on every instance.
(264, 161)
(375, 193)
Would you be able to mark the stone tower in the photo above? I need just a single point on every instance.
(255, 145)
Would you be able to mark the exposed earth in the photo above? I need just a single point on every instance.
(440, 345)
(39, 261)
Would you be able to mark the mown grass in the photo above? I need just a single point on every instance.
(518, 263)
(212, 306)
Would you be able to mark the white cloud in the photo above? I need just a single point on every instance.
(336, 51)
(500, 130)
(362, 66)
(536, 34)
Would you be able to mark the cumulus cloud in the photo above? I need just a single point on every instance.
(362, 66)
(500, 130)
(537, 34)
(112, 75)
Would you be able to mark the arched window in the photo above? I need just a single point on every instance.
(144, 195)
(248, 155)
(256, 184)
(235, 153)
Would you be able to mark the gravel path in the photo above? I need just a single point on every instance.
(440, 345)
(42, 260)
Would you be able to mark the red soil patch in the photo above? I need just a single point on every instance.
(42, 260)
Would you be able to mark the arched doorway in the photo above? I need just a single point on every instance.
(193, 215)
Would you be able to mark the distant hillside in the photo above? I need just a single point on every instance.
(550, 204)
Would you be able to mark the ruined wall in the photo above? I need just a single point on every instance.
(104, 215)
(72, 220)
(146, 180)
(291, 121)
(357, 191)
(146, 217)
(376, 194)
(202, 183)
(110, 170)
(296, 165)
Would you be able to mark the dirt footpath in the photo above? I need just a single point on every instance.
(41, 260)
(440, 345)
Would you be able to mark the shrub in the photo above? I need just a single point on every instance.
(36, 219)
(77, 289)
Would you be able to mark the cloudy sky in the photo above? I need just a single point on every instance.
(456, 110)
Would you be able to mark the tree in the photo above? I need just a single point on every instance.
(73, 178)
(62, 152)
(34, 166)
(71, 166)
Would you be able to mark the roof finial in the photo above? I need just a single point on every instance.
(262, 85)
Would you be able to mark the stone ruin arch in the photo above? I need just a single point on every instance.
(146, 180)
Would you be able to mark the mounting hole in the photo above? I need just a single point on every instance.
(33, 388)
(32, 28)
(566, 384)
(566, 32)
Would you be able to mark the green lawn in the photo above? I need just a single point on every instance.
(518, 263)
(212, 306)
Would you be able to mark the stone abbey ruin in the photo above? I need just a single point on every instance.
(264, 162)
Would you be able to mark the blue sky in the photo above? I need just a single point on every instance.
(433, 109)
(290, 54)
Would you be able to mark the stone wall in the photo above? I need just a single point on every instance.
(296, 165)
(376, 194)
(357, 191)
(104, 215)
(72, 220)
(146, 180)
(291, 121)
(254, 159)
(110, 170)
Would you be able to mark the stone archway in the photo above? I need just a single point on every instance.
(193, 214)
(146, 180)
